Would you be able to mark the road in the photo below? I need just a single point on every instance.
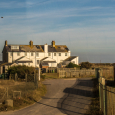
(64, 97)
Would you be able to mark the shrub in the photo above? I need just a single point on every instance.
(71, 65)
(86, 65)
(21, 70)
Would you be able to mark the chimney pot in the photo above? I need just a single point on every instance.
(31, 43)
(53, 43)
(6, 43)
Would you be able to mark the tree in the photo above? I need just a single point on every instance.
(86, 65)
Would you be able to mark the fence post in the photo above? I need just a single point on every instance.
(100, 91)
(37, 74)
(10, 77)
(104, 99)
(15, 76)
(70, 74)
(65, 74)
(34, 76)
(26, 77)
(59, 73)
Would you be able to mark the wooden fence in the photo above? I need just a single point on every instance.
(106, 96)
(75, 73)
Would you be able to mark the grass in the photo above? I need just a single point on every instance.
(94, 108)
(50, 75)
(29, 93)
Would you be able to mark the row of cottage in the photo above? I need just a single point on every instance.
(43, 56)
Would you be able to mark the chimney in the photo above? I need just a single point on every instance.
(53, 43)
(31, 43)
(46, 48)
(6, 43)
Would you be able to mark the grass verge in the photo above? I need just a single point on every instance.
(94, 108)
(29, 94)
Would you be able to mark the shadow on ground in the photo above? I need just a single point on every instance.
(77, 98)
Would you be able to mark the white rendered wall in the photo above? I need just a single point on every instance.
(75, 60)
(41, 55)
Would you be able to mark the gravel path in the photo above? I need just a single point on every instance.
(64, 97)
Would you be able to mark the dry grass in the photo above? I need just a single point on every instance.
(94, 108)
(29, 93)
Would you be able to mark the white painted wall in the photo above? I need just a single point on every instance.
(75, 60)
(41, 55)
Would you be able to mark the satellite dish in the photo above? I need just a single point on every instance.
(1, 17)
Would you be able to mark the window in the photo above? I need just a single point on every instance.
(49, 54)
(18, 53)
(65, 54)
(54, 54)
(10, 53)
(38, 61)
(32, 53)
(22, 63)
(59, 54)
(37, 54)
(28, 63)
(25, 53)
(14, 47)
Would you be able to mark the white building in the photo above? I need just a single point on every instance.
(33, 55)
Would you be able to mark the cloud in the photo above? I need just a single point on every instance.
(12, 4)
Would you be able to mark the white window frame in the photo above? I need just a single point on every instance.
(65, 54)
(54, 54)
(38, 61)
(59, 54)
(32, 54)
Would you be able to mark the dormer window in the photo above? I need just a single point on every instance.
(14, 47)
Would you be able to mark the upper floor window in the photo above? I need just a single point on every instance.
(65, 54)
(37, 54)
(32, 53)
(18, 53)
(49, 54)
(59, 54)
(54, 54)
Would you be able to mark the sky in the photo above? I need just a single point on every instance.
(87, 27)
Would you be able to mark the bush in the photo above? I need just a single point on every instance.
(86, 65)
(21, 70)
(71, 65)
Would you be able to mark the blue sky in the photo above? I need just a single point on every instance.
(87, 27)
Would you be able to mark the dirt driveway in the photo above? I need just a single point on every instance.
(64, 97)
